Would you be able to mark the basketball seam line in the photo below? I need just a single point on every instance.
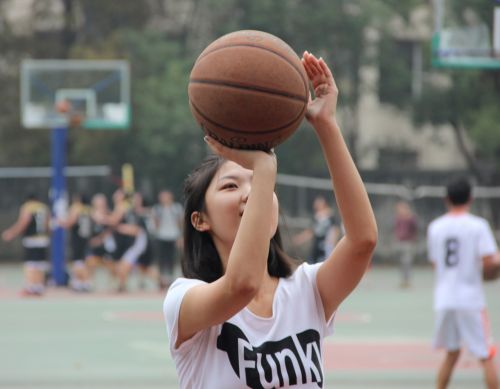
(246, 132)
(305, 81)
(249, 87)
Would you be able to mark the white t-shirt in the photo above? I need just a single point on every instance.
(252, 351)
(456, 244)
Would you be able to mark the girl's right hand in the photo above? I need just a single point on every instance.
(323, 107)
(249, 159)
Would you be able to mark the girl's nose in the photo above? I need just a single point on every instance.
(246, 193)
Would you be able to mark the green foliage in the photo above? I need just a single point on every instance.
(470, 101)
(395, 73)
(484, 129)
(164, 142)
(103, 18)
(163, 132)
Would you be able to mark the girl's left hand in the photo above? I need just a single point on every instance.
(324, 106)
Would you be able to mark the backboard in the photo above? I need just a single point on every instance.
(466, 34)
(97, 91)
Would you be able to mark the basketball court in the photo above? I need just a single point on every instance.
(103, 340)
(106, 340)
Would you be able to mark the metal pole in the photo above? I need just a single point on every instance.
(496, 29)
(58, 203)
(438, 15)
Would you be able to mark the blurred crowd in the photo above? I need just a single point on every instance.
(129, 235)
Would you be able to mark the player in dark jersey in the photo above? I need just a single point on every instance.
(33, 225)
(79, 222)
(323, 234)
(101, 244)
(135, 238)
(123, 240)
(145, 260)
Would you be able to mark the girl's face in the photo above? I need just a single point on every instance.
(225, 202)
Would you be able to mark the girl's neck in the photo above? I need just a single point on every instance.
(262, 303)
(268, 286)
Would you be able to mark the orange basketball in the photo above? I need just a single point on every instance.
(249, 90)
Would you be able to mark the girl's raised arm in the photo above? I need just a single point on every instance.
(343, 269)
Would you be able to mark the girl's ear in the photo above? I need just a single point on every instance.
(198, 221)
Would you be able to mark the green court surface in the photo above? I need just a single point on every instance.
(104, 340)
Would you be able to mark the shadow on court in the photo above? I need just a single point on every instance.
(105, 340)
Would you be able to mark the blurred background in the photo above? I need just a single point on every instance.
(407, 123)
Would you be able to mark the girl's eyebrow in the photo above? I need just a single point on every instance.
(232, 177)
(228, 177)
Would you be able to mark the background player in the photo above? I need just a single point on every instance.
(459, 245)
(79, 221)
(167, 216)
(33, 224)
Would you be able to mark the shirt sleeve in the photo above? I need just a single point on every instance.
(430, 252)
(310, 272)
(487, 243)
(171, 308)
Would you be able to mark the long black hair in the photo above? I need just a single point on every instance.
(201, 259)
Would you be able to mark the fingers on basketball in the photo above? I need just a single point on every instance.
(220, 149)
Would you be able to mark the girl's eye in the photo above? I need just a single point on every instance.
(229, 185)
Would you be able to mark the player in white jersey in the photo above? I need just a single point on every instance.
(459, 245)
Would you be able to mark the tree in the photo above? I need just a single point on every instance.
(162, 39)
(466, 100)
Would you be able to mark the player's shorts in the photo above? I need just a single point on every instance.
(35, 254)
(105, 250)
(460, 327)
(122, 244)
(146, 258)
(97, 251)
(79, 247)
(35, 248)
(138, 247)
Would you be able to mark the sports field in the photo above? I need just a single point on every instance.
(105, 340)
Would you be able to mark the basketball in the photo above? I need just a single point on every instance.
(63, 106)
(248, 90)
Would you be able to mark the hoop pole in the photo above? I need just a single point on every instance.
(496, 30)
(438, 15)
(58, 203)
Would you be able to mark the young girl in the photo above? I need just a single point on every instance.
(243, 316)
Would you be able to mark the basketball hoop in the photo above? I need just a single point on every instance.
(463, 38)
(52, 90)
